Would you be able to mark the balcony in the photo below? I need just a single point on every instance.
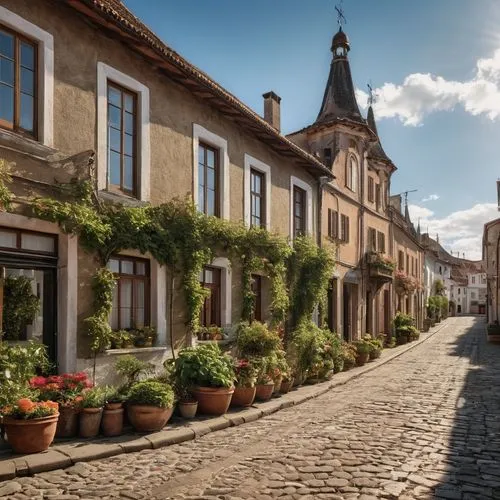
(380, 268)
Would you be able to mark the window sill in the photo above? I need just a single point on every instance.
(120, 198)
(134, 350)
(220, 342)
(25, 145)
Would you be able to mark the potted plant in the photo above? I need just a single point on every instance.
(92, 406)
(150, 405)
(363, 349)
(209, 375)
(377, 347)
(188, 406)
(30, 426)
(132, 369)
(65, 389)
(244, 382)
(286, 373)
(348, 353)
(112, 416)
(265, 386)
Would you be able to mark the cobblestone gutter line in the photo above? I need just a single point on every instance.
(66, 454)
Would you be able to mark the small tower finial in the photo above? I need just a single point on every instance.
(372, 96)
(340, 15)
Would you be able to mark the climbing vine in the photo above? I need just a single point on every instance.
(178, 236)
(309, 269)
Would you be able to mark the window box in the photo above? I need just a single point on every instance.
(380, 268)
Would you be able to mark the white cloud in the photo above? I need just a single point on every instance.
(459, 231)
(422, 93)
(431, 197)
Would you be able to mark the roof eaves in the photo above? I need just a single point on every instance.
(127, 21)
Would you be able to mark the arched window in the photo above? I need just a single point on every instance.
(351, 177)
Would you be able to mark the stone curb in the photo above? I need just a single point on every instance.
(64, 455)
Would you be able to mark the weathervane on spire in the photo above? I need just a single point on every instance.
(340, 14)
(372, 96)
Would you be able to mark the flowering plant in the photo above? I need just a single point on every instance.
(65, 389)
(245, 373)
(25, 409)
(381, 261)
(404, 282)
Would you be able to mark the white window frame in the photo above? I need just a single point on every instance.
(224, 265)
(105, 73)
(201, 134)
(295, 181)
(45, 77)
(253, 163)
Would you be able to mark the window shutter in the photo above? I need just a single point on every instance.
(330, 220)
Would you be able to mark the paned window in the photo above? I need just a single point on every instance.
(122, 139)
(401, 260)
(131, 303)
(351, 172)
(208, 180)
(407, 264)
(344, 228)
(381, 242)
(333, 224)
(211, 313)
(299, 211)
(18, 82)
(372, 239)
(371, 189)
(257, 199)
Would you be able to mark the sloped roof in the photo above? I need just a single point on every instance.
(115, 18)
(339, 99)
(376, 150)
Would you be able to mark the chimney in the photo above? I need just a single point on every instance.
(272, 109)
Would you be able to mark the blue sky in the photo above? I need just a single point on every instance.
(441, 126)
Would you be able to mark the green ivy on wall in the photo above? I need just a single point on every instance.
(178, 236)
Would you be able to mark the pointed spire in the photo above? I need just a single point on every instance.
(339, 100)
(376, 150)
(407, 212)
(418, 227)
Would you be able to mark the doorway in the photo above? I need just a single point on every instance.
(28, 263)
(346, 320)
(387, 312)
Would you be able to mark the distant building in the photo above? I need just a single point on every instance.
(491, 256)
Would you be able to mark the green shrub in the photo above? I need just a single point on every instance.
(205, 366)
(153, 393)
(18, 364)
(348, 353)
(94, 398)
(132, 369)
(363, 346)
(256, 340)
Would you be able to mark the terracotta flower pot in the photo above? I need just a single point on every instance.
(188, 409)
(113, 406)
(362, 358)
(112, 422)
(147, 418)
(286, 386)
(277, 385)
(90, 421)
(264, 392)
(213, 400)
(402, 339)
(31, 436)
(67, 425)
(243, 396)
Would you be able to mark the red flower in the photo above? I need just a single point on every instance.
(38, 381)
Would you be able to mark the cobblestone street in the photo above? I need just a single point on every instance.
(425, 425)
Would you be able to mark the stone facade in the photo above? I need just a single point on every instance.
(172, 122)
